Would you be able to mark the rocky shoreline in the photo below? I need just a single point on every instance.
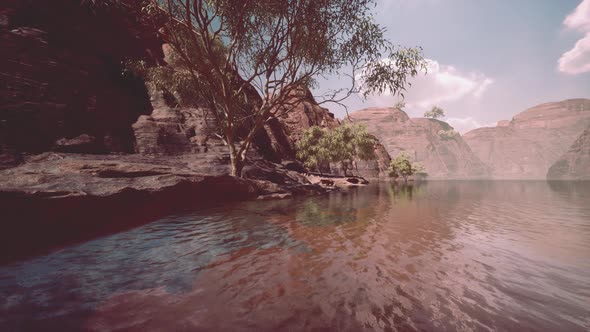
(58, 198)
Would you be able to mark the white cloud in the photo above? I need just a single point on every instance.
(466, 124)
(445, 83)
(442, 83)
(577, 60)
(580, 18)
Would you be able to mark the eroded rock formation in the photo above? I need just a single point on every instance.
(443, 157)
(54, 198)
(575, 163)
(532, 141)
(174, 130)
(285, 131)
(61, 76)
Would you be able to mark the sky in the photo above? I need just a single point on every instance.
(488, 59)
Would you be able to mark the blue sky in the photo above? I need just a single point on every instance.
(488, 59)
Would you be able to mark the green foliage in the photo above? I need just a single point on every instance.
(401, 166)
(340, 145)
(435, 113)
(419, 170)
(400, 105)
(276, 47)
(312, 149)
(448, 134)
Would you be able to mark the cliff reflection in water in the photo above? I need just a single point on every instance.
(430, 256)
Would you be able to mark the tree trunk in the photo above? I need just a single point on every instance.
(236, 160)
(237, 165)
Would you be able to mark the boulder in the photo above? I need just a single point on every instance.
(532, 141)
(327, 182)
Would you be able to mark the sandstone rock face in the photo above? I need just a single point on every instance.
(374, 168)
(575, 163)
(54, 198)
(532, 141)
(61, 75)
(443, 158)
(285, 132)
(79, 144)
(173, 130)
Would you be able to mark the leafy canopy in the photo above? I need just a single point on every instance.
(448, 134)
(435, 113)
(400, 105)
(342, 144)
(401, 166)
(232, 48)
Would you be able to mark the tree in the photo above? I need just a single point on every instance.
(311, 148)
(448, 134)
(419, 170)
(400, 105)
(401, 166)
(349, 141)
(341, 145)
(435, 113)
(236, 49)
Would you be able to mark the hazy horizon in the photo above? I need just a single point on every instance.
(487, 61)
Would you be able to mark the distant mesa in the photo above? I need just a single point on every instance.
(545, 141)
(575, 163)
(427, 141)
(528, 145)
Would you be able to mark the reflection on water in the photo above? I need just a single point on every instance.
(445, 256)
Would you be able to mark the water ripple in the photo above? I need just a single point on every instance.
(444, 256)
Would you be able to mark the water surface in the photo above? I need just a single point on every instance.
(440, 256)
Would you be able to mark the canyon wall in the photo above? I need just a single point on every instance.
(68, 90)
(575, 163)
(444, 156)
(528, 145)
(61, 73)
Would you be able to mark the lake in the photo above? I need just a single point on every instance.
(434, 256)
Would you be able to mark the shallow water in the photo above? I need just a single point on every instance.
(441, 256)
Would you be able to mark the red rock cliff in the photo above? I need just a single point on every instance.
(575, 163)
(61, 73)
(443, 157)
(532, 141)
